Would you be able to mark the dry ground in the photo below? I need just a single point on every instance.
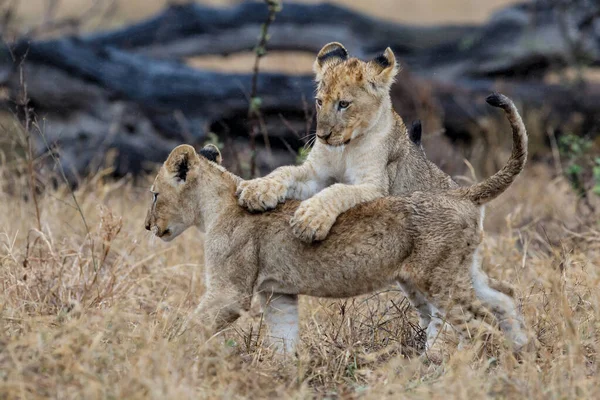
(95, 315)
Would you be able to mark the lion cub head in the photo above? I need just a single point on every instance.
(352, 94)
(175, 200)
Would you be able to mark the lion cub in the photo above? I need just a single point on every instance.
(363, 150)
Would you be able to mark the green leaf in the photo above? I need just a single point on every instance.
(302, 154)
(274, 5)
(260, 51)
(255, 104)
(574, 170)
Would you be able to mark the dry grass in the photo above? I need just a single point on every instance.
(77, 323)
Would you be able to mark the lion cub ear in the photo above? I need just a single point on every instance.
(331, 54)
(383, 69)
(181, 161)
(212, 153)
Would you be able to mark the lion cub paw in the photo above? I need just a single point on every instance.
(311, 222)
(260, 194)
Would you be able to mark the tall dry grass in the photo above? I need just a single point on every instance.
(77, 323)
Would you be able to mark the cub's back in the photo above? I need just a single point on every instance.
(372, 219)
(444, 219)
(409, 169)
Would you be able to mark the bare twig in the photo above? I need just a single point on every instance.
(254, 114)
(24, 112)
(71, 191)
(555, 151)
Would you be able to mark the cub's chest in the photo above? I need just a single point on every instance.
(340, 169)
(352, 175)
(353, 169)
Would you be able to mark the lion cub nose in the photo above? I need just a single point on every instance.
(324, 137)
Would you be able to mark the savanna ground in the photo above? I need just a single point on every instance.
(96, 315)
(91, 304)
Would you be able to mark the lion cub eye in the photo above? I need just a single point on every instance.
(319, 102)
(154, 197)
(342, 105)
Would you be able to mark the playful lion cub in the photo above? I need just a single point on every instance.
(362, 151)
(428, 240)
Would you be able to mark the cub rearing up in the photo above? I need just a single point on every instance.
(362, 151)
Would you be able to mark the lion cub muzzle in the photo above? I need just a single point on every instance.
(324, 136)
(158, 232)
(153, 225)
(330, 138)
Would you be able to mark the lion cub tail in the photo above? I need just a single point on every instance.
(493, 186)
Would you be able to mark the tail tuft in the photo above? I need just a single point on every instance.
(498, 100)
(493, 186)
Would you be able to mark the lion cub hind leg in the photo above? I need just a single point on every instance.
(502, 305)
(281, 316)
(467, 316)
(418, 301)
(436, 328)
(450, 291)
(430, 318)
(501, 287)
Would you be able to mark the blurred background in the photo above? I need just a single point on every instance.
(114, 84)
(408, 11)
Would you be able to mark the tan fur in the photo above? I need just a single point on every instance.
(428, 240)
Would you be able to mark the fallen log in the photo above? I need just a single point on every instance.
(148, 105)
(194, 29)
(538, 35)
(535, 36)
(142, 108)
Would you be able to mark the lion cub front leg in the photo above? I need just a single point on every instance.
(314, 217)
(219, 307)
(264, 194)
(261, 194)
